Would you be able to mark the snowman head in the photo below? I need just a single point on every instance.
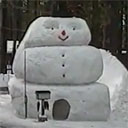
(49, 31)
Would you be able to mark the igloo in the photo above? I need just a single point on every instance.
(54, 56)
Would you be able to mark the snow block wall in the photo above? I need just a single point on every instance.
(60, 65)
(58, 59)
(87, 102)
(48, 31)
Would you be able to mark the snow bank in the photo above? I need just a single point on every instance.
(115, 76)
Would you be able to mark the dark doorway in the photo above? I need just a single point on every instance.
(61, 109)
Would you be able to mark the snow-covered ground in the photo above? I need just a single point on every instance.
(114, 75)
(118, 119)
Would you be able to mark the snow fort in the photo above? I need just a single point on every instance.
(54, 58)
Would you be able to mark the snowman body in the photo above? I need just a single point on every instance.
(59, 60)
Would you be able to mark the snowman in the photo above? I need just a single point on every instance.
(54, 56)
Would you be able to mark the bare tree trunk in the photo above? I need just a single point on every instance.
(16, 24)
(3, 38)
(95, 24)
(60, 9)
(104, 37)
(115, 27)
(0, 37)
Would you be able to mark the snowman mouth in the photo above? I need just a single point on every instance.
(63, 39)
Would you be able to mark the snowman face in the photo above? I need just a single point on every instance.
(48, 31)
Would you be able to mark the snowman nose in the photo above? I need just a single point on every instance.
(63, 33)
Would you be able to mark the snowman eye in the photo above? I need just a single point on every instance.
(74, 28)
(52, 28)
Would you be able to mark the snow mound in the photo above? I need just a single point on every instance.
(115, 76)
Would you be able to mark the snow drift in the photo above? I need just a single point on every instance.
(115, 76)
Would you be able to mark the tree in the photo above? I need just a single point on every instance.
(0, 36)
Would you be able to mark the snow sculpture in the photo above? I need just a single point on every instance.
(58, 59)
